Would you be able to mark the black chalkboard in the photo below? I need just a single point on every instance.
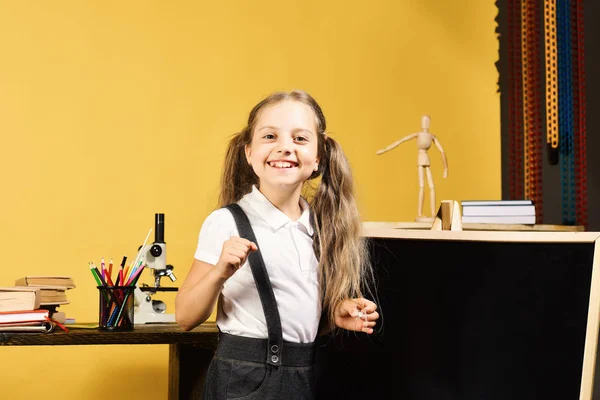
(468, 320)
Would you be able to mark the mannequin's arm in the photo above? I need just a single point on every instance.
(444, 159)
(397, 143)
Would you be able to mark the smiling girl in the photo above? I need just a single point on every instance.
(280, 269)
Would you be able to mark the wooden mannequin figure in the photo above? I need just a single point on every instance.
(424, 141)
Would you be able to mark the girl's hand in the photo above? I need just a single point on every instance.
(233, 255)
(356, 315)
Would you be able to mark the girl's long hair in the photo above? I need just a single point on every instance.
(345, 270)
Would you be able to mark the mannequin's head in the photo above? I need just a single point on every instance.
(425, 122)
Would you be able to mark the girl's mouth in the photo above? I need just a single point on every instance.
(282, 164)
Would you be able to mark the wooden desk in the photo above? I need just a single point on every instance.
(475, 227)
(189, 352)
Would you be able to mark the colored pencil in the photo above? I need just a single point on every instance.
(126, 273)
(135, 275)
(121, 276)
(99, 274)
(117, 320)
(93, 271)
(133, 270)
(137, 258)
(110, 265)
(108, 279)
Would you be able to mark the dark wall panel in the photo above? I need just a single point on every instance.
(551, 174)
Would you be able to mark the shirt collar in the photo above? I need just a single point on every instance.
(275, 217)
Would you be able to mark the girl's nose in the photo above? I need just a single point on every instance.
(284, 146)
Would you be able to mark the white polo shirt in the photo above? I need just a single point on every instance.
(286, 247)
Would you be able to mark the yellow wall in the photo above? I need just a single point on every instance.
(112, 111)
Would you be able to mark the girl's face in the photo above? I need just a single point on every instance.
(283, 151)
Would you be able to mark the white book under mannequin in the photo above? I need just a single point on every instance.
(499, 219)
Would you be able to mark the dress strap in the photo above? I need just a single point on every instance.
(265, 289)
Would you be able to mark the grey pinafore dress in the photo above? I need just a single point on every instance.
(246, 368)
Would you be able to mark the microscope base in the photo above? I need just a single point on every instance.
(145, 312)
(153, 318)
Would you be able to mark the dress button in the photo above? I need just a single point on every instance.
(274, 348)
(275, 359)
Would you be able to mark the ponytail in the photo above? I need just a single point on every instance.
(343, 256)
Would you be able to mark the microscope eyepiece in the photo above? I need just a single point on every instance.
(159, 228)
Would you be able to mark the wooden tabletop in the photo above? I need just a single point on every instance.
(204, 335)
(477, 227)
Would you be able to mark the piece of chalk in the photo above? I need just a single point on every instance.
(360, 314)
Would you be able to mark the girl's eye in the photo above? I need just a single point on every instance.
(269, 136)
(301, 138)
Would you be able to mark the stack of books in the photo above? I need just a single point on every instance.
(53, 292)
(20, 311)
(53, 289)
(498, 212)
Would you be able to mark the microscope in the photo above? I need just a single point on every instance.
(148, 310)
